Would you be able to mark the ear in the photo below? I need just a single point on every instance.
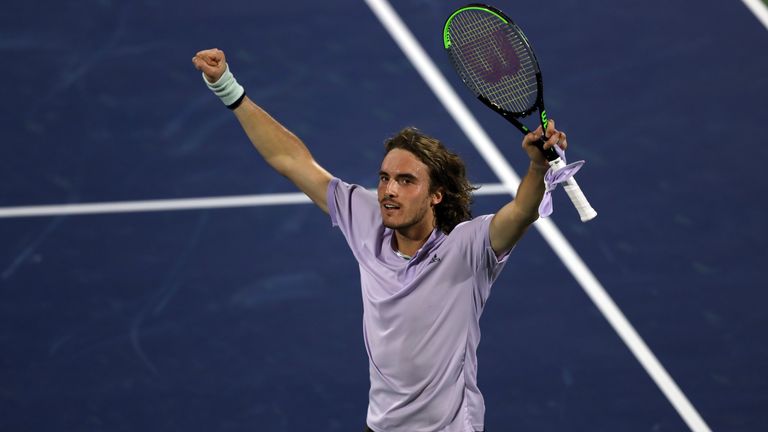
(437, 197)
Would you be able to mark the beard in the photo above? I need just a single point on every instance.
(404, 221)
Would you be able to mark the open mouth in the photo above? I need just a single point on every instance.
(390, 206)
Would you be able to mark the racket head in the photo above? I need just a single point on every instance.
(494, 59)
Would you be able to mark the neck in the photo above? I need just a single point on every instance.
(411, 239)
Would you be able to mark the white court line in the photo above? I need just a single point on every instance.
(447, 96)
(184, 204)
(759, 9)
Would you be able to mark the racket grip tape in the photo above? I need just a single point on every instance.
(586, 212)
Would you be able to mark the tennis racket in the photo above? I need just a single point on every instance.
(495, 60)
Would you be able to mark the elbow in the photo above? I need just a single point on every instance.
(282, 164)
(527, 218)
(532, 218)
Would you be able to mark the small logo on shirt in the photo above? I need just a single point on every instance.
(435, 259)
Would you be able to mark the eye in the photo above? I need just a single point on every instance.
(383, 178)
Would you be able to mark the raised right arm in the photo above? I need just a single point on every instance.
(281, 149)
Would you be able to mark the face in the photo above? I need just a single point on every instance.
(403, 191)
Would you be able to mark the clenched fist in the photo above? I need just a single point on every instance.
(211, 62)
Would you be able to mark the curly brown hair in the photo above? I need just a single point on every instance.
(447, 173)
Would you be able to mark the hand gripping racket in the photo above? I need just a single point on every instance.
(495, 60)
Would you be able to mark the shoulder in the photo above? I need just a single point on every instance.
(478, 223)
(338, 186)
(473, 231)
(340, 191)
(348, 201)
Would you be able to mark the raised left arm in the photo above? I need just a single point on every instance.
(511, 221)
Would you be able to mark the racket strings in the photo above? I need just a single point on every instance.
(513, 90)
(494, 60)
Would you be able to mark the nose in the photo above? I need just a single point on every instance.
(390, 190)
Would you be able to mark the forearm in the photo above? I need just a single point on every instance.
(530, 192)
(512, 220)
(277, 145)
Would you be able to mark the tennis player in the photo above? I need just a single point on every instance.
(426, 266)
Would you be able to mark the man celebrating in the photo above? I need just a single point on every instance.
(426, 266)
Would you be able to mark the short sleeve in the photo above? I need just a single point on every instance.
(354, 210)
(474, 236)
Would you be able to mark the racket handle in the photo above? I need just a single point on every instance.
(586, 212)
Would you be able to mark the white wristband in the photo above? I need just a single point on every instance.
(227, 89)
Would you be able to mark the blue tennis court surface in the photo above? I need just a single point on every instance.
(249, 318)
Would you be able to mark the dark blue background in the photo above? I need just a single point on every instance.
(249, 318)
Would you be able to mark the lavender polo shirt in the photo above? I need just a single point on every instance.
(420, 316)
